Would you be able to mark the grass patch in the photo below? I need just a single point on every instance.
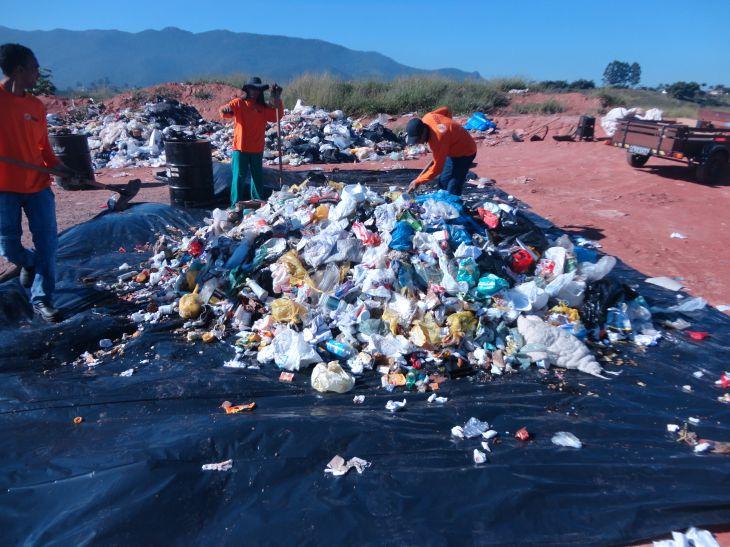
(646, 99)
(413, 94)
(551, 106)
(203, 95)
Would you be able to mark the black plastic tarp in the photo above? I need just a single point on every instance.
(131, 471)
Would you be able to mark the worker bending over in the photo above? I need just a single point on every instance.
(452, 146)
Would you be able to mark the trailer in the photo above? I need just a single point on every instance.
(707, 149)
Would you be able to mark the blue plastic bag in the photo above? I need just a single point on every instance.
(479, 122)
(402, 237)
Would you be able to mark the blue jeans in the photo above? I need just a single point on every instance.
(453, 176)
(40, 208)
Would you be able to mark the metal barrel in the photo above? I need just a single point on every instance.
(586, 127)
(73, 151)
(190, 173)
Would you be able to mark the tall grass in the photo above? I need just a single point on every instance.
(412, 94)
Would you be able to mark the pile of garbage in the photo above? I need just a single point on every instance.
(135, 137)
(314, 135)
(414, 288)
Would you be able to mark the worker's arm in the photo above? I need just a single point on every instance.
(229, 110)
(439, 160)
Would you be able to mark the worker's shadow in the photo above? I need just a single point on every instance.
(588, 232)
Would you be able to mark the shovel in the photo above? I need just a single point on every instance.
(126, 191)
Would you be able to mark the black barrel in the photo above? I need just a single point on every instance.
(190, 173)
(73, 151)
(586, 128)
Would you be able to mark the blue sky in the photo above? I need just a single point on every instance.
(549, 39)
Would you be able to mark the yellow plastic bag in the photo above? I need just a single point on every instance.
(426, 332)
(285, 310)
(562, 309)
(391, 319)
(460, 323)
(191, 305)
(297, 273)
(321, 213)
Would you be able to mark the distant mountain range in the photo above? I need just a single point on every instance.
(78, 58)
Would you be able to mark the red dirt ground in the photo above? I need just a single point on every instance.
(584, 188)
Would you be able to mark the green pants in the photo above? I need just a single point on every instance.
(248, 177)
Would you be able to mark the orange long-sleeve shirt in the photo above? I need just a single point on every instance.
(250, 119)
(447, 139)
(24, 136)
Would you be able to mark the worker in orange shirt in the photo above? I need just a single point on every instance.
(452, 146)
(251, 115)
(24, 136)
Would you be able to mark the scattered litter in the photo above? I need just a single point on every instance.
(677, 235)
(687, 388)
(672, 428)
(665, 282)
(395, 406)
(693, 421)
(331, 377)
(565, 438)
(236, 409)
(522, 434)
(702, 447)
(78, 420)
(697, 335)
(105, 343)
(358, 399)
(286, 376)
(693, 537)
(698, 374)
(127, 373)
(434, 399)
(723, 381)
(490, 434)
(457, 431)
(338, 466)
(479, 456)
(220, 466)
(474, 428)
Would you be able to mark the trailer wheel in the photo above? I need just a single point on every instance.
(713, 169)
(637, 160)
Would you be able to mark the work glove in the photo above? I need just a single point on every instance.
(276, 90)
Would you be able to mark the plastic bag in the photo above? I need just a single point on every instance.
(491, 284)
(461, 323)
(468, 273)
(297, 274)
(292, 352)
(331, 377)
(318, 249)
(402, 236)
(366, 236)
(479, 122)
(436, 211)
(285, 310)
(191, 305)
(597, 271)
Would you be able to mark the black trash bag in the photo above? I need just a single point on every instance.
(600, 296)
(379, 133)
(517, 226)
(494, 264)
